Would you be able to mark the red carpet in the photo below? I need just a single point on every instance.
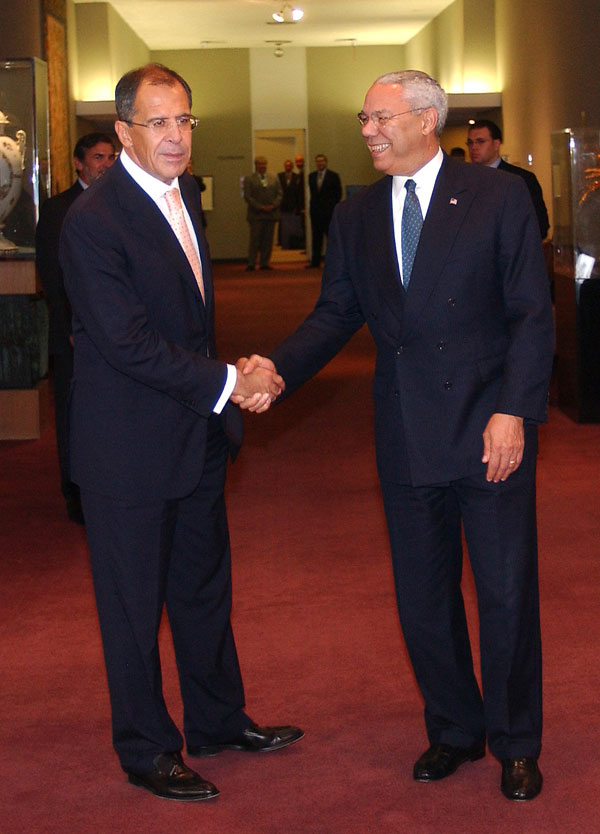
(316, 628)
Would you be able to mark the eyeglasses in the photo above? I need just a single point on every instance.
(159, 125)
(470, 142)
(380, 120)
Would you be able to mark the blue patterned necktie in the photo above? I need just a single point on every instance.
(412, 222)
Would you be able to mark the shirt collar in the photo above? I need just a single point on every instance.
(153, 187)
(425, 177)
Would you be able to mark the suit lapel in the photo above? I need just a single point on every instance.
(150, 226)
(450, 203)
(382, 247)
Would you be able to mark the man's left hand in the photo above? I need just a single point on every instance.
(503, 444)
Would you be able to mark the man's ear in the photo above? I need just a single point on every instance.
(123, 131)
(429, 120)
(78, 164)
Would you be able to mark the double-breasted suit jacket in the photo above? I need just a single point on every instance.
(471, 336)
(145, 379)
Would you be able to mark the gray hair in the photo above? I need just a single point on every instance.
(421, 91)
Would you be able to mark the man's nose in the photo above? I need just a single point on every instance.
(369, 129)
(174, 132)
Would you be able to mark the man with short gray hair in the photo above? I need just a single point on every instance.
(444, 264)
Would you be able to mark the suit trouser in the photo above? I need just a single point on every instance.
(261, 241)
(173, 552)
(62, 366)
(499, 523)
(319, 230)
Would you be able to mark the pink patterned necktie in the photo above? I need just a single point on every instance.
(179, 226)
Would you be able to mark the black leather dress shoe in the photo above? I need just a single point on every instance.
(521, 778)
(443, 759)
(253, 739)
(172, 779)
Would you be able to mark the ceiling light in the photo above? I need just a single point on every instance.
(287, 14)
(278, 51)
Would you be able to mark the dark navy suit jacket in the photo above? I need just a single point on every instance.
(47, 235)
(473, 334)
(146, 376)
(535, 192)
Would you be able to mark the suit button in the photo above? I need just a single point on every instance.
(452, 302)
(441, 345)
(396, 393)
(447, 385)
(400, 350)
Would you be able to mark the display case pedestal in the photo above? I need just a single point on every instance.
(578, 348)
(576, 243)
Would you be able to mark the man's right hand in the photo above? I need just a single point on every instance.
(257, 385)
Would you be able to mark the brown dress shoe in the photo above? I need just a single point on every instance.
(253, 739)
(443, 759)
(172, 779)
(521, 778)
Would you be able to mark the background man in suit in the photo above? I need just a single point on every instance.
(262, 192)
(325, 193)
(151, 427)
(289, 222)
(464, 353)
(93, 155)
(484, 140)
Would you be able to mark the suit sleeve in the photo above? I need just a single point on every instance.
(527, 307)
(325, 331)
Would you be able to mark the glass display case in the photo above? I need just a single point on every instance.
(24, 153)
(576, 244)
(24, 184)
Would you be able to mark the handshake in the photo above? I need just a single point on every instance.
(258, 383)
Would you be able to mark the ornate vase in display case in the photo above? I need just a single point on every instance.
(12, 164)
(24, 154)
(576, 243)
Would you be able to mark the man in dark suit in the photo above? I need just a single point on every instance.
(484, 140)
(290, 219)
(151, 427)
(93, 155)
(464, 352)
(325, 189)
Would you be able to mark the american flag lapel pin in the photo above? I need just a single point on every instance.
(453, 201)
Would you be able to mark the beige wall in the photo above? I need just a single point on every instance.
(548, 58)
(338, 78)
(106, 48)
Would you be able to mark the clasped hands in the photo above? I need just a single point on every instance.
(258, 383)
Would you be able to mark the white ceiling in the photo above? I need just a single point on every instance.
(227, 24)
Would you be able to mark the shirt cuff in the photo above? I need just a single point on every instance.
(227, 390)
